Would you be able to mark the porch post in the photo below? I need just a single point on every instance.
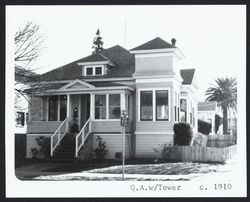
(123, 101)
(68, 112)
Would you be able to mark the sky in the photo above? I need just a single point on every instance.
(212, 38)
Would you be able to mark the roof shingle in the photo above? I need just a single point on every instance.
(187, 76)
(124, 66)
(156, 43)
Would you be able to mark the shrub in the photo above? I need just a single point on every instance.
(199, 140)
(218, 122)
(74, 128)
(165, 151)
(44, 148)
(204, 127)
(183, 134)
(118, 155)
(101, 150)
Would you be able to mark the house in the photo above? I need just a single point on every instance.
(207, 112)
(90, 94)
(22, 75)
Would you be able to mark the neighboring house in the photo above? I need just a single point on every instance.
(147, 81)
(21, 108)
(207, 111)
(22, 76)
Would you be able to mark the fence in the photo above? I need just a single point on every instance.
(203, 154)
(221, 140)
(20, 146)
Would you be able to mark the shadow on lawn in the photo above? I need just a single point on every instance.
(79, 166)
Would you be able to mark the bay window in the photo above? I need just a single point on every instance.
(146, 105)
(114, 106)
(162, 105)
(183, 114)
(154, 105)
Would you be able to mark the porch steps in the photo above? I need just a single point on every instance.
(66, 150)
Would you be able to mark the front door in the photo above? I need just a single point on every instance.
(84, 112)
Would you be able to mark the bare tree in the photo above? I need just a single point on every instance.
(28, 46)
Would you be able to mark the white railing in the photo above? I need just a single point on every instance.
(82, 136)
(58, 135)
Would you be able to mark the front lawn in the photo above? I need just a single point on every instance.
(180, 168)
(145, 172)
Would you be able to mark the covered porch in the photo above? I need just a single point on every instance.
(78, 108)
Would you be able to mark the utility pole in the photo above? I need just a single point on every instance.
(124, 123)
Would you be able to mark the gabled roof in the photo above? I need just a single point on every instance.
(156, 43)
(207, 106)
(94, 58)
(124, 66)
(187, 76)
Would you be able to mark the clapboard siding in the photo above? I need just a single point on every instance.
(146, 143)
(108, 126)
(114, 144)
(43, 126)
(157, 126)
(31, 143)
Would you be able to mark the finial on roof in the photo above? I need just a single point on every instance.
(173, 40)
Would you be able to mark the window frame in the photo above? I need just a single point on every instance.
(156, 106)
(93, 67)
(141, 106)
(22, 119)
(107, 105)
(186, 112)
(154, 103)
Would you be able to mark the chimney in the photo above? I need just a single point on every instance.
(173, 40)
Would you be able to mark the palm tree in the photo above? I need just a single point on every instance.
(224, 92)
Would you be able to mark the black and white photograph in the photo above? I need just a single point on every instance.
(126, 101)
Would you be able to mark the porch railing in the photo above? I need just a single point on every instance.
(82, 136)
(58, 135)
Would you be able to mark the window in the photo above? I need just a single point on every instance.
(100, 106)
(114, 106)
(20, 119)
(89, 71)
(154, 105)
(27, 117)
(175, 107)
(63, 107)
(146, 105)
(183, 113)
(193, 116)
(98, 70)
(162, 105)
(53, 107)
(93, 70)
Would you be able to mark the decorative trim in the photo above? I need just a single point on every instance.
(39, 134)
(93, 63)
(155, 77)
(82, 90)
(113, 134)
(176, 51)
(153, 133)
(76, 81)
